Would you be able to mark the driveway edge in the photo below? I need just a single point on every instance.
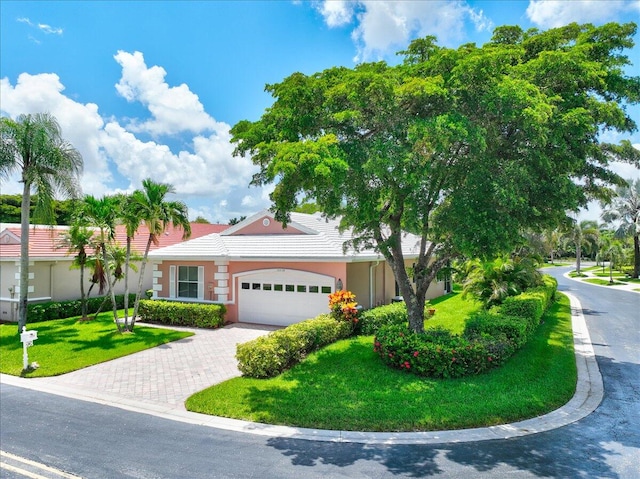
(588, 395)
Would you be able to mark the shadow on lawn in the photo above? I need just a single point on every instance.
(601, 445)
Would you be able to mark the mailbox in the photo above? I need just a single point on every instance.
(28, 337)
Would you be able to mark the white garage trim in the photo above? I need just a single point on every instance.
(281, 296)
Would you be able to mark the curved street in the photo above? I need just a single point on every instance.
(99, 441)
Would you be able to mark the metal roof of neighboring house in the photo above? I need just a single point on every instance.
(44, 240)
(319, 239)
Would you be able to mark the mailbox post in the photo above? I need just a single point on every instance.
(27, 338)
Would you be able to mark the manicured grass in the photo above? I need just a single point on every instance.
(452, 311)
(603, 282)
(65, 345)
(346, 387)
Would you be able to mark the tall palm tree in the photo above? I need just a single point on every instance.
(583, 234)
(129, 216)
(157, 214)
(102, 213)
(33, 145)
(78, 240)
(625, 210)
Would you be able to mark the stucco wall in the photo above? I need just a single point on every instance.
(55, 280)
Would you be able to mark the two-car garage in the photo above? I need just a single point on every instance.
(282, 296)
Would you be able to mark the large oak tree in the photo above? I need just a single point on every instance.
(463, 147)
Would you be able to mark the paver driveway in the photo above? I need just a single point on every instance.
(170, 373)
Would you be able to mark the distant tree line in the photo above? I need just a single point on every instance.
(10, 210)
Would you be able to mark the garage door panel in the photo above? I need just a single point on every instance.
(282, 297)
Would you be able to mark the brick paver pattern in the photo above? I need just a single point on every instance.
(170, 373)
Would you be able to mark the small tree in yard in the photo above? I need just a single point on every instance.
(464, 148)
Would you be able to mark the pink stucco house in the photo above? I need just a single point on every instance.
(51, 277)
(268, 274)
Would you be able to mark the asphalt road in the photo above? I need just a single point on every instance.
(94, 441)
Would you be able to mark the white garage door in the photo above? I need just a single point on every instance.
(282, 297)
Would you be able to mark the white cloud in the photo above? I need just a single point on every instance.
(207, 170)
(336, 12)
(80, 123)
(385, 26)
(555, 13)
(43, 27)
(174, 109)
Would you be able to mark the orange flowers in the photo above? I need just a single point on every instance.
(343, 306)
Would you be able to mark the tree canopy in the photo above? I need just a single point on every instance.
(463, 147)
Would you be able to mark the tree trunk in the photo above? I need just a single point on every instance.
(141, 281)
(126, 287)
(83, 296)
(578, 254)
(24, 255)
(636, 256)
(110, 286)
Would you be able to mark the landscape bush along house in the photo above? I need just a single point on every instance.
(489, 339)
(263, 273)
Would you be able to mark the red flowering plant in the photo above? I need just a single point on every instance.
(343, 306)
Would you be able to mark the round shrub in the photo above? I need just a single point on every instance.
(371, 320)
(437, 353)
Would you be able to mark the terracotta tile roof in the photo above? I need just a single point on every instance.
(44, 240)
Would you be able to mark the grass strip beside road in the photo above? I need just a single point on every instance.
(66, 345)
(346, 387)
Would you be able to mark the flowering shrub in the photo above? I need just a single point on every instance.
(343, 306)
(489, 339)
(437, 353)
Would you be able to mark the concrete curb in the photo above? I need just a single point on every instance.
(588, 395)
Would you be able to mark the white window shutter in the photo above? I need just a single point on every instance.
(172, 281)
(200, 282)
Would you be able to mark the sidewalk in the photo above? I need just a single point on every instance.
(624, 286)
(158, 381)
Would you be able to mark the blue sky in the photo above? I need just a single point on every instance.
(150, 89)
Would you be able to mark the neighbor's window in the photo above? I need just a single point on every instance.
(188, 282)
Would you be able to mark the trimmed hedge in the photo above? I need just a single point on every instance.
(182, 314)
(371, 320)
(66, 309)
(270, 355)
(489, 338)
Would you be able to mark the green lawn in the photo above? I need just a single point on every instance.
(67, 344)
(346, 387)
(603, 282)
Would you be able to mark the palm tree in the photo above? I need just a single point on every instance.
(78, 240)
(625, 210)
(493, 281)
(157, 214)
(33, 145)
(583, 234)
(129, 216)
(102, 213)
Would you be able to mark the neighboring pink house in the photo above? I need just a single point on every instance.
(269, 275)
(50, 275)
